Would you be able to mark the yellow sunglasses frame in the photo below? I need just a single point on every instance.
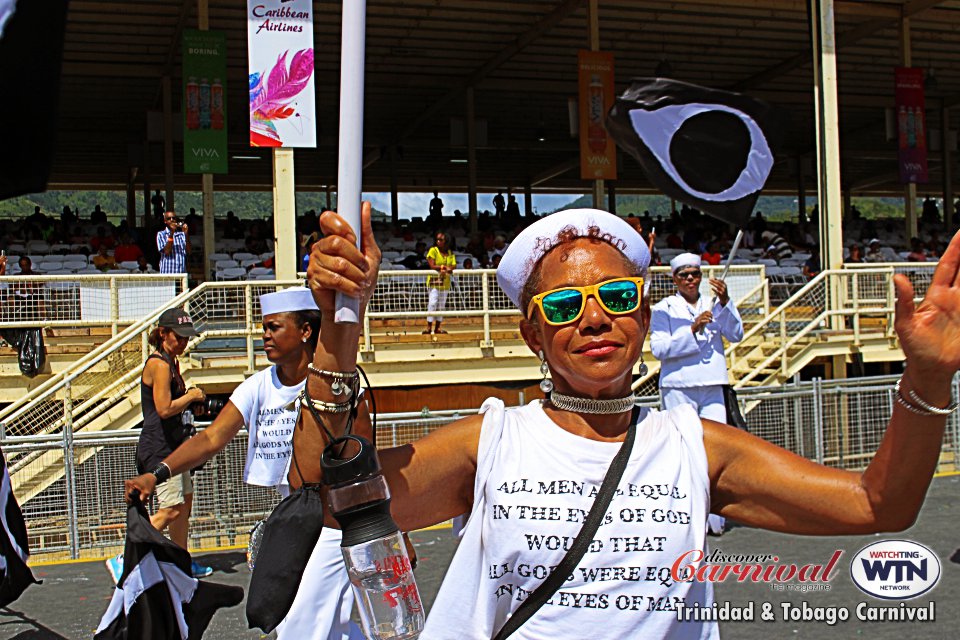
(587, 291)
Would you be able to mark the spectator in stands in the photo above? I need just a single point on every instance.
(468, 263)
(127, 251)
(102, 238)
(686, 335)
(776, 247)
(918, 253)
(436, 206)
(930, 212)
(26, 267)
(98, 215)
(442, 260)
(255, 242)
(159, 204)
(711, 255)
(811, 267)
(164, 397)
(173, 243)
(499, 247)
(417, 259)
(874, 254)
(513, 208)
(499, 205)
(3, 264)
(233, 229)
(103, 260)
(143, 266)
(856, 254)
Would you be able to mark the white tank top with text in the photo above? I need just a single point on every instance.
(535, 484)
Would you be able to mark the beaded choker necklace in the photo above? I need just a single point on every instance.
(590, 405)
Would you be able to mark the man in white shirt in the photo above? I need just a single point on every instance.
(686, 335)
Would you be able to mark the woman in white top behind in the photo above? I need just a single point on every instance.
(264, 403)
(527, 475)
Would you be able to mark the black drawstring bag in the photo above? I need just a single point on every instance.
(289, 536)
(734, 416)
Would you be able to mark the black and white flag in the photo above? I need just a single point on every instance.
(15, 575)
(156, 597)
(711, 149)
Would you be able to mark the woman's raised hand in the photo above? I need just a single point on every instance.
(336, 265)
(930, 332)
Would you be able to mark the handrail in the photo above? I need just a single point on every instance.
(825, 278)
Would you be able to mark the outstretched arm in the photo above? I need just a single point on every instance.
(758, 483)
(431, 479)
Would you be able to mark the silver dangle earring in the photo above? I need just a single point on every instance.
(643, 367)
(546, 385)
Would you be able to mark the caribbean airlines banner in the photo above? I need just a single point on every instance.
(598, 151)
(280, 64)
(911, 125)
(204, 102)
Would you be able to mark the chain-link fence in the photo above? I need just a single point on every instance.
(838, 423)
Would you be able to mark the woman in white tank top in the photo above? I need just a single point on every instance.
(528, 475)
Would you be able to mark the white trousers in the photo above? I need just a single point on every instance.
(323, 604)
(436, 301)
(708, 400)
(709, 404)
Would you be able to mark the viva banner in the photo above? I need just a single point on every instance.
(598, 151)
(204, 102)
(280, 63)
(911, 125)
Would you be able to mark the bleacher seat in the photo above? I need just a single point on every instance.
(240, 256)
(260, 271)
(75, 257)
(231, 273)
(38, 246)
(16, 248)
(55, 248)
(75, 265)
(249, 262)
(129, 265)
(226, 264)
(219, 256)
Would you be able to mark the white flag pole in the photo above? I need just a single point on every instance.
(350, 168)
(726, 268)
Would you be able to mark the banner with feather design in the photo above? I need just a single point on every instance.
(281, 78)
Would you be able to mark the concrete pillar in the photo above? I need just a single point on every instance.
(910, 192)
(284, 214)
(168, 142)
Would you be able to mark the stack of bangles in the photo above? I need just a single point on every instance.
(915, 404)
(345, 383)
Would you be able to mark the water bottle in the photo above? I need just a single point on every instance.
(372, 546)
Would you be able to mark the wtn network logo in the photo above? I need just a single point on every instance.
(895, 569)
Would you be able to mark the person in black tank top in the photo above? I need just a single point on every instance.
(164, 398)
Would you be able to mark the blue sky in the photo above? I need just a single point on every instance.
(417, 204)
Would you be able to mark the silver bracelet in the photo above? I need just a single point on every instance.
(919, 406)
(337, 387)
(326, 407)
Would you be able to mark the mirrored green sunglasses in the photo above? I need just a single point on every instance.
(565, 305)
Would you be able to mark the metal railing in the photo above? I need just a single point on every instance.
(834, 302)
(90, 386)
(838, 423)
(108, 300)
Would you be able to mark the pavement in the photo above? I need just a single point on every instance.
(74, 596)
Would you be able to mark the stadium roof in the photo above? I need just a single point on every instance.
(521, 59)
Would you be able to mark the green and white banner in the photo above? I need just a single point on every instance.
(204, 102)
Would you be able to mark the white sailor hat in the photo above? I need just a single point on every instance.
(526, 250)
(293, 299)
(684, 260)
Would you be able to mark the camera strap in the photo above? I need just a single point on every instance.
(579, 547)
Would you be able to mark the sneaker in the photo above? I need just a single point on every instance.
(200, 571)
(115, 567)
